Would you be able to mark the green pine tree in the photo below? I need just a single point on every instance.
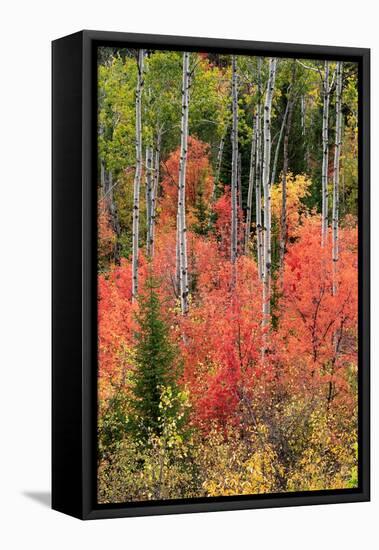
(157, 367)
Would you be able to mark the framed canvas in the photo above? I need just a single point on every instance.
(211, 276)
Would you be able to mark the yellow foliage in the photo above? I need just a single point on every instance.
(297, 190)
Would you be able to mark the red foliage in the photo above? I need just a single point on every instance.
(317, 336)
(106, 235)
(199, 180)
(310, 350)
(223, 210)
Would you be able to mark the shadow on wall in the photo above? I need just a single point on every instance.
(41, 497)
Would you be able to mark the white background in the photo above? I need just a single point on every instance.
(27, 27)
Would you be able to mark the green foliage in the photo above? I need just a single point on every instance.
(160, 466)
(201, 212)
(112, 426)
(156, 438)
(157, 368)
(116, 85)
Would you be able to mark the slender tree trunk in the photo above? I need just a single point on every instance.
(234, 182)
(336, 172)
(283, 217)
(302, 108)
(258, 175)
(102, 178)
(239, 181)
(149, 199)
(325, 156)
(266, 294)
(218, 168)
(110, 202)
(111, 209)
(102, 164)
(249, 203)
(177, 257)
(137, 177)
(182, 228)
(275, 163)
(154, 196)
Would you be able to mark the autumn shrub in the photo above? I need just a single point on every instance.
(157, 466)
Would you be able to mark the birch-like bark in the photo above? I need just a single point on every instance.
(266, 182)
(283, 216)
(154, 196)
(149, 198)
(137, 176)
(249, 203)
(216, 180)
(110, 202)
(258, 175)
(177, 257)
(234, 182)
(182, 228)
(302, 109)
(102, 178)
(325, 156)
(111, 209)
(102, 165)
(239, 181)
(275, 163)
(336, 173)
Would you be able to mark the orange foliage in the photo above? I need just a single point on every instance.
(223, 210)
(199, 181)
(317, 335)
(106, 235)
(311, 350)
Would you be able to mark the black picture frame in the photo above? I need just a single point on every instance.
(74, 332)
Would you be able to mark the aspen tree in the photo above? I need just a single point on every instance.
(216, 180)
(154, 196)
(110, 205)
(266, 182)
(275, 163)
(336, 171)
(138, 174)
(288, 122)
(302, 113)
(283, 216)
(149, 198)
(251, 184)
(234, 182)
(325, 155)
(258, 175)
(239, 181)
(181, 218)
(102, 178)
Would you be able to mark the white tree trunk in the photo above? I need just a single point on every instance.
(239, 181)
(111, 208)
(325, 156)
(149, 198)
(249, 203)
(102, 178)
(137, 177)
(182, 228)
(336, 172)
(258, 176)
(302, 107)
(275, 163)
(283, 217)
(177, 257)
(154, 196)
(266, 182)
(234, 182)
(218, 168)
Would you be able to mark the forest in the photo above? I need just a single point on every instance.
(227, 275)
